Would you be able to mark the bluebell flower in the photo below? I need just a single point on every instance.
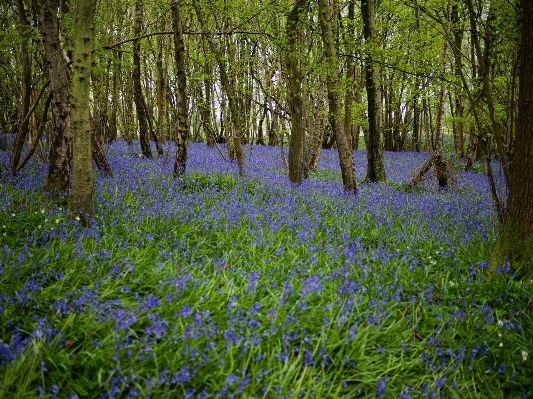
(405, 394)
(381, 387)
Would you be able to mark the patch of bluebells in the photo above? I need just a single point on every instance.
(247, 280)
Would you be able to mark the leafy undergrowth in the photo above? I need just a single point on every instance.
(213, 285)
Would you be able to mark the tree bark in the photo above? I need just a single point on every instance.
(440, 165)
(183, 111)
(350, 80)
(375, 157)
(334, 116)
(516, 232)
(458, 133)
(60, 140)
(488, 95)
(297, 140)
(82, 192)
(205, 117)
(162, 86)
(142, 118)
(22, 130)
(416, 123)
(112, 133)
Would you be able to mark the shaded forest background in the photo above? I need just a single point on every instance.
(380, 75)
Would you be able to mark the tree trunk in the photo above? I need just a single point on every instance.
(142, 118)
(112, 133)
(457, 28)
(416, 123)
(425, 122)
(162, 85)
(440, 165)
(149, 112)
(82, 192)
(297, 140)
(98, 154)
(205, 117)
(334, 116)
(22, 129)
(516, 233)
(183, 112)
(38, 135)
(60, 140)
(350, 80)
(360, 78)
(472, 144)
(260, 136)
(488, 95)
(375, 157)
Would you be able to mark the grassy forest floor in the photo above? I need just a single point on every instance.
(213, 285)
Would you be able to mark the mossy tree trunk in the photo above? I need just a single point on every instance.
(516, 232)
(82, 191)
(295, 75)
(138, 97)
(25, 59)
(350, 78)
(60, 140)
(374, 151)
(334, 116)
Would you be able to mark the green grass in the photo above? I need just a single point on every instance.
(242, 288)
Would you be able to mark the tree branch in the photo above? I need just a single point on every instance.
(231, 32)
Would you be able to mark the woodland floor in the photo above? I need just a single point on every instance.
(212, 285)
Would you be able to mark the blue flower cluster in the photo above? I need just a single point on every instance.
(213, 285)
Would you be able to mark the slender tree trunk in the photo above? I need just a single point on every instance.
(128, 123)
(440, 165)
(426, 123)
(416, 123)
(112, 133)
(472, 145)
(22, 130)
(350, 81)
(458, 134)
(294, 72)
(39, 133)
(387, 123)
(98, 154)
(142, 118)
(416, 98)
(82, 192)
(375, 157)
(210, 103)
(149, 112)
(60, 140)
(335, 117)
(183, 106)
(205, 117)
(162, 64)
(260, 136)
(360, 78)
(516, 233)
(488, 95)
